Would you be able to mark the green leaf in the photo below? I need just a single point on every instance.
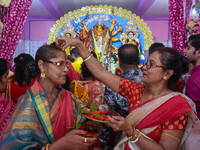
(82, 111)
(96, 115)
(78, 126)
(93, 106)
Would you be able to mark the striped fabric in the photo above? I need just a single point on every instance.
(25, 130)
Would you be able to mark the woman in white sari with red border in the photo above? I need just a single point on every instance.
(159, 119)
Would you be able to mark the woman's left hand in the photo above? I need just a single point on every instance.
(120, 124)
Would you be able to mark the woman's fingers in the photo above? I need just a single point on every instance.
(117, 122)
(118, 118)
(115, 119)
(62, 42)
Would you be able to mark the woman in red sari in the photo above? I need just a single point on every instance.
(158, 116)
(6, 105)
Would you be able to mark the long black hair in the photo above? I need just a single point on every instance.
(25, 69)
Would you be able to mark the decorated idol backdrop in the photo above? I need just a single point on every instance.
(103, 29)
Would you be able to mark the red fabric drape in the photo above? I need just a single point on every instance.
(178, 13)
(15, 19)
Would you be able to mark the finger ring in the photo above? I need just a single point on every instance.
(85, 140)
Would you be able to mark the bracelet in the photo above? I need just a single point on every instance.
(88, 54)
(172, 136)
(87, 58)
(136, 137)
(47, 146)
(132, 137)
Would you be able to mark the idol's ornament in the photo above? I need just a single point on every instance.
(103, 29)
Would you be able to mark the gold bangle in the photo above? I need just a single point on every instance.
(133, 137)
(88, 54)
(137, 137)
(47, 146)
(139, 134)
(172, 136)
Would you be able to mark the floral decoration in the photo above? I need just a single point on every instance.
(1, 30)
(193, 25)
(193, 22)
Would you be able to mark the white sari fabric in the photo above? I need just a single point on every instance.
(191, 137)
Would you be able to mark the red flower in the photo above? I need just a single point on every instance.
(21, 58)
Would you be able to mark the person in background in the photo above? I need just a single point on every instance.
(195, 36)
(192, 52)
(11, 68)
(89, 89)
(154, 47)
(157, 115)
(72, 74)
(128, 61)
(6, 105)
(45, 113)
(86, 74)
(24, 76)
(76, 60)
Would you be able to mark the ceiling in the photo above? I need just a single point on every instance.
(54, 9)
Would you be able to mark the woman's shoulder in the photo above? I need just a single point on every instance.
(25, 100)
(180, 96)
(182, 99)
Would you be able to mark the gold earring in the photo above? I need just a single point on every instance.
(165, 78)
(42, 75)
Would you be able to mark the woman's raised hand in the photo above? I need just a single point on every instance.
(73, 140)
(64, 42)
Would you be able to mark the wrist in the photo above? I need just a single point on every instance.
(81, 49)
(130, 131)
(135, 136)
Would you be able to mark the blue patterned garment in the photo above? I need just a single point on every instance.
(118, 103)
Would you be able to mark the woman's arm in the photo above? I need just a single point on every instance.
(170, 139)
(93, 65)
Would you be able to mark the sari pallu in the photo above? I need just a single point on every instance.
(33, 126)
(147, 117)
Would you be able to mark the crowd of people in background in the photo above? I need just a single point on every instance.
(158, 107)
